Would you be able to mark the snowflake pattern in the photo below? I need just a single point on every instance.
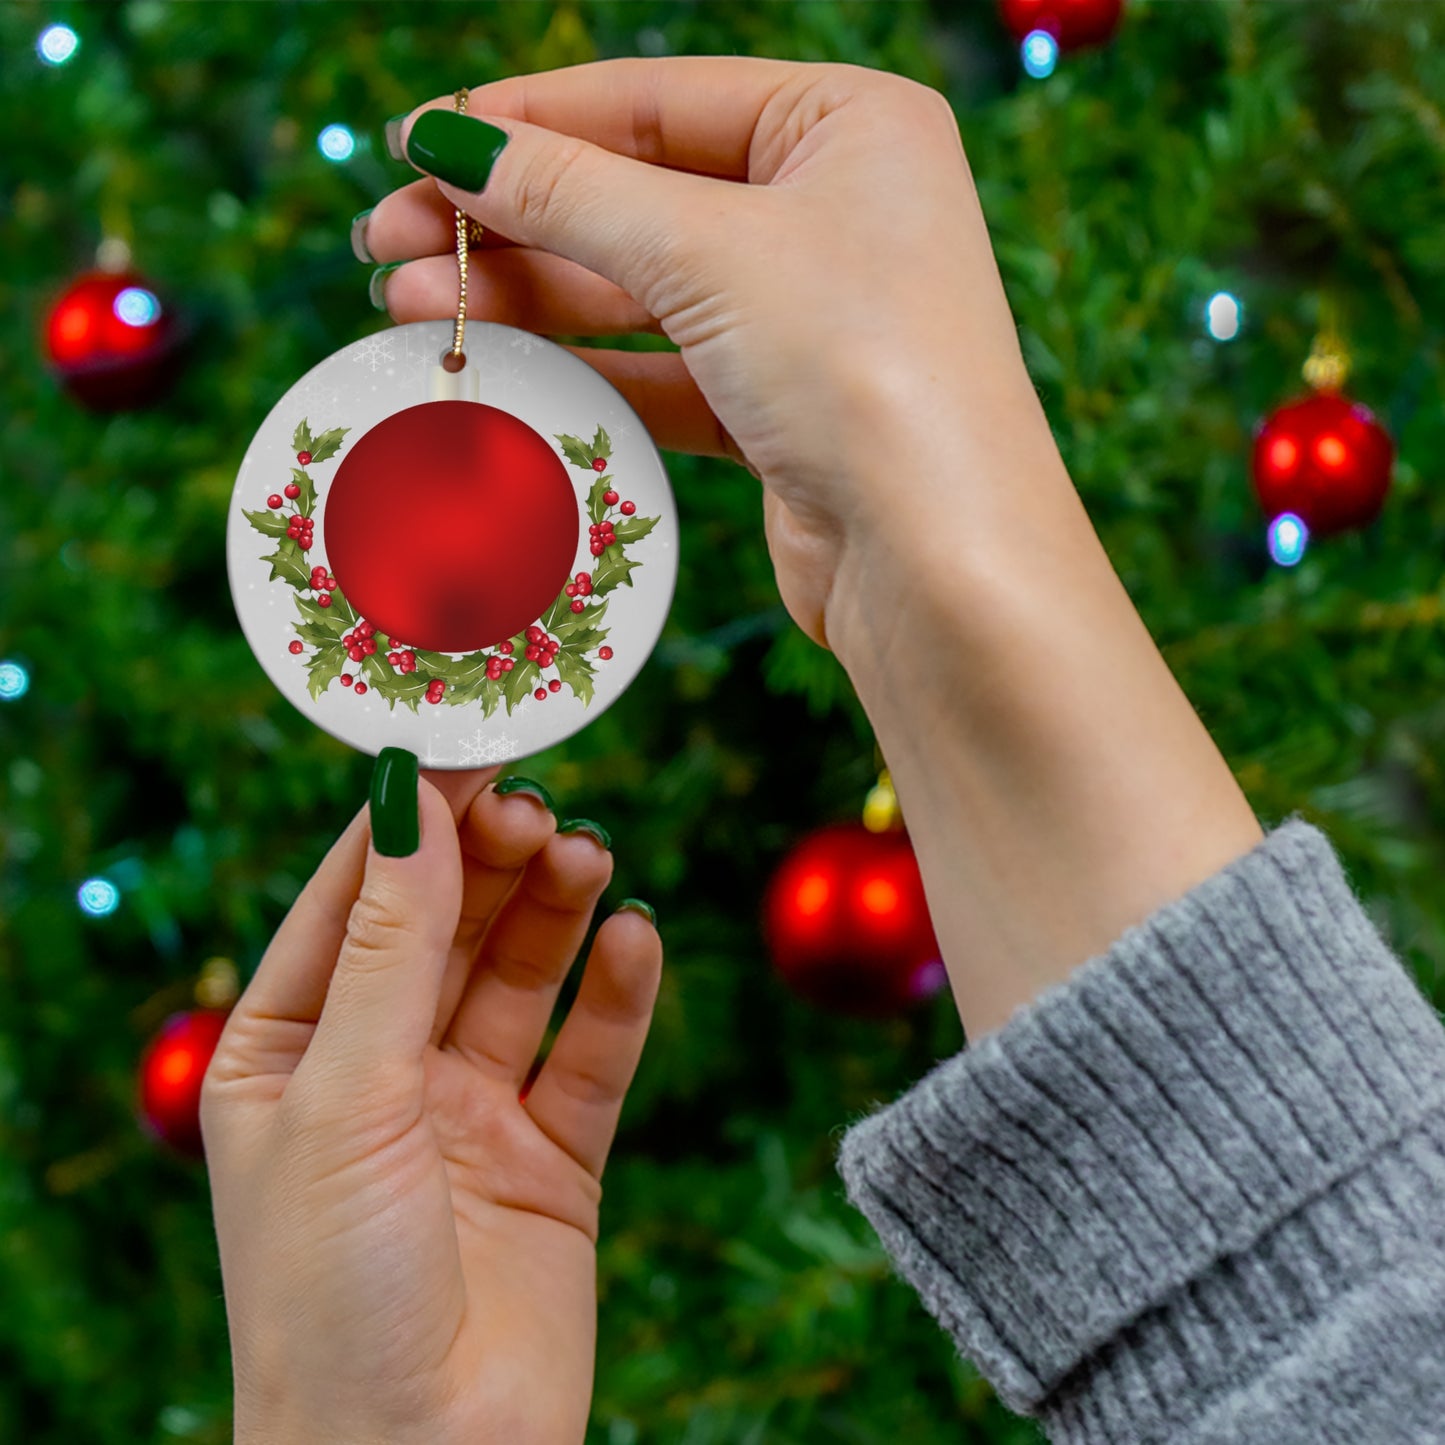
(479, 750)
(525, 342)
(376, 350)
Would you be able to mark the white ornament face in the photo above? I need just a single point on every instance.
(416, 534)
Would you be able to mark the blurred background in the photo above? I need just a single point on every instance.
(1187, 207)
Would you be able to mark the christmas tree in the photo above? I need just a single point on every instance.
(1212, 161)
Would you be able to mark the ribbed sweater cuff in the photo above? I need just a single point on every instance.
(1134, 1154)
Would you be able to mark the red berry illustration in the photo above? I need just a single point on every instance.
(583, 579)
(408, 657)
(610, 498)
(360, 688)
(535, 633)
(330, 583)
(292, 490)
(540, 694)
(296, 647)
(305, 542)
(394, 658)
(304, 458)
(368, 646)
(604, 653)
(346, 679)
(627, 508)
(274, 500)
(355, 653)
(368, 629)
(555, 685)
(505, 646)
(570, 590)
(578, 605)
(599, 464)
(324, 600)
(597, 549)
(532, 652)
(508, 664)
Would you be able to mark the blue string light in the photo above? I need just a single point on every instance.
(98, 897)
(137, 307)
(14, 681)
(57, 44)
(1288, 538)
(1040, 52)
(336, 143)
(1223, 316)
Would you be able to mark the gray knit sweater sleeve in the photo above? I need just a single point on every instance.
(1195, 1193)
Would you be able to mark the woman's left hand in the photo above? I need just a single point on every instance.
(407, 1235)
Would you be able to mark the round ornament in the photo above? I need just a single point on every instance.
(172, 1070)
(847, 923)
(468, 561)
(1072, 23)
(1325, 459)
(111, 341)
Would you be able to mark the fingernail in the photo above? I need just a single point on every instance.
(455, 148)
(586, 825)
(393, 137)
(376, 287)
(359, 247)
(395, 820)
(636, 905)
(525, 785)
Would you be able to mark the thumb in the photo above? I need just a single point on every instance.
(382, 1000)
(630, 222)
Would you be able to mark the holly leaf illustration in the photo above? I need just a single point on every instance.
(313, 611)
(634, 529)
(342, 609)
(576, 671)
(595, 505)
(575, 450)
(518, 683)
(287, 565)
(324, 447)
(267, 522)
(574, 623)
(588, 640)
(306, 503)
(614, 571)
(601, 444)
(301, 437)
(323, 667)
(395, 687)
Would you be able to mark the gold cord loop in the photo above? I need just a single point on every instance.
(469, 232)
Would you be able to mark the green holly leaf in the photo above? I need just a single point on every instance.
(595, 505)
(323, 617)
(601, 444)
(267, 522)
(581, 643)
(301, 437)
(634, 529)
(288, 565)
(343, 609)
(576, 671)
(323, 667)
(305, 504)
(324, 447)
(614, 571)
(575, 622)
(575, 450)
(518, 683)
(406, 688)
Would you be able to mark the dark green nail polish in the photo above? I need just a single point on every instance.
(376, 288)
(358, 236)
(395, 820)
(393, 136)
(525, 785)
(586, 825)
(455, 148)
(636, 905)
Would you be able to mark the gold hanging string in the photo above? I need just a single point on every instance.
(469, 233)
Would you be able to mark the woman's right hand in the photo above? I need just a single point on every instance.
(840, 302)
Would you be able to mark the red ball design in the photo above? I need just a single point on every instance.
(451, 579)
(170, 1075)
(1073, 23)
(847, 923)
(1324, 458)
(111, 340)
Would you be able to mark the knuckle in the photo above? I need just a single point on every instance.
(542, 186)
(375, 932)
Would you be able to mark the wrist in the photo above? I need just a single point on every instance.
(1057, 784)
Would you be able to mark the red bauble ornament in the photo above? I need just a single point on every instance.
(1324, 458)
(492, 524)
(1073, 23)
(847, 923)
(111, 341)
(171, 1071)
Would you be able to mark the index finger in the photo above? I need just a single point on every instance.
(696, 113)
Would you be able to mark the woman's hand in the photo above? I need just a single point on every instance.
(846, 294)
(408, 1247)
